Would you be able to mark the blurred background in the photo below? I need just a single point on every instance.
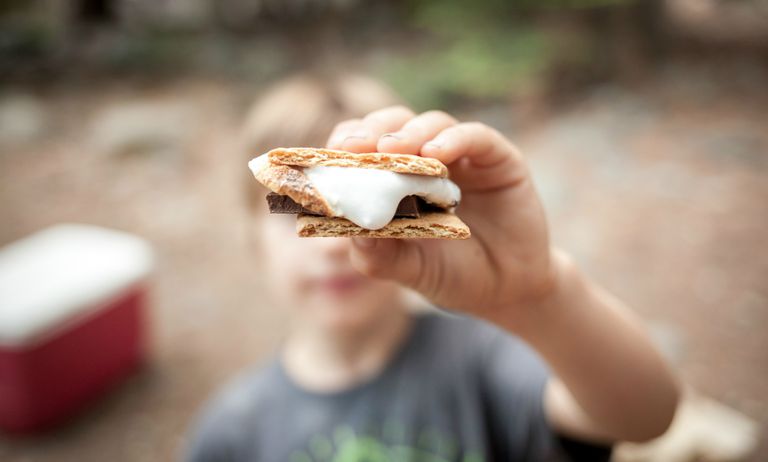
(646, 124)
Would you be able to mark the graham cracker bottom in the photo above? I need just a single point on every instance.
(435, 225)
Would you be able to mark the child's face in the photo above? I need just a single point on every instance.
(315, 278)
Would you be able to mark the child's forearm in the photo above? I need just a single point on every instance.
(618, 386)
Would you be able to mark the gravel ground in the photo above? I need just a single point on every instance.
(659, 192)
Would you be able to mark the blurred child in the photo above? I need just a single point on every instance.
(542, 364)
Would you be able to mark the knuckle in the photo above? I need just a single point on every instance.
(427, 122)
(439, 115)
(383, 115)
(456, 132)
(476, 127)
(375, 117)
(480, 132)
(350, 122)
(485, 137)
(401, 109)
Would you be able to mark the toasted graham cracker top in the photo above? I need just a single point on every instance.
(292, 182)
(399, 163)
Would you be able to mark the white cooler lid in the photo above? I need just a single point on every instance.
(61, 272)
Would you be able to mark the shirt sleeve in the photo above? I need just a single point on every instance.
(513, 381)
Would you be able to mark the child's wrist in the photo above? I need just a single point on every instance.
(566, 285)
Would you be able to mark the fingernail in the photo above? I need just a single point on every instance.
(358, 135)
(437, 143)
(394, 136)
(365, 242)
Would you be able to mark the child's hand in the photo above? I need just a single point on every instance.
(508, 259)
(610, 382)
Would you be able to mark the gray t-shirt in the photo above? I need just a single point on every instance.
(458, 390)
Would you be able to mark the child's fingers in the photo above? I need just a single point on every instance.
(341, 131)
(362, 137)
(481, 144)
(417, 131)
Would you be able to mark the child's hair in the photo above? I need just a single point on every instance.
(302, 111)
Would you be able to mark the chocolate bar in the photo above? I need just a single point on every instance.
(409, 207)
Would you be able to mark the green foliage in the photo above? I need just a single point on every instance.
(25, 40)
(479, 67)
(476, 55)
(487, 49)
(148, 50)
(567, 3)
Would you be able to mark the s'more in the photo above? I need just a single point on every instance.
(343, 194)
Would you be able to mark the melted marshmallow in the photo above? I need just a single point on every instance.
(369, 197)
(258, 163)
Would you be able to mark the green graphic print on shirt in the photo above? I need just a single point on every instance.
(348, 446)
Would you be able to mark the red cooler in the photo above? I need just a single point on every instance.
(72, 302)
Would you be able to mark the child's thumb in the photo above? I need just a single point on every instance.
(394, 259)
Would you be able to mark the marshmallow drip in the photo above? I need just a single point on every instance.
(369, 197)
